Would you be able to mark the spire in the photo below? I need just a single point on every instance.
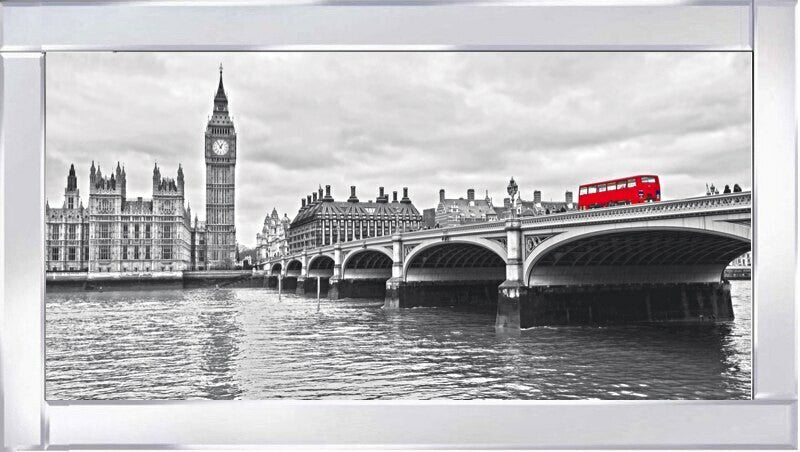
(220, 97)
(72, 180)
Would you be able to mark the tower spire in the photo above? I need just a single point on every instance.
(220, 97)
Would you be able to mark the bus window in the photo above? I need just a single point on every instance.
(631, 183)
(612, 186)
(648, 180)
(621, 185)
(601, 188)
(583, 191)
(592, 189)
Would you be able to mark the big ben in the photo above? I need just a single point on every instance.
(220, 148)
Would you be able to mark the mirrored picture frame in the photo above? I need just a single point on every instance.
(31, 30)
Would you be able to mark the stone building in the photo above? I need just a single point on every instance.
(116, 233)
(536, 206)
(322, 220)
(458, 211)
(272, 240)
(67, 231)
(744, 261)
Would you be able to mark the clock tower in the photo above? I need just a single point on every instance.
(220, 149)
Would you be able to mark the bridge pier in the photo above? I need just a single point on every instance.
(395, 284)
(289, 284)
(335, 282)
(300, 286)
(512, 292)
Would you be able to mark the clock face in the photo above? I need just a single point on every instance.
(220, 147)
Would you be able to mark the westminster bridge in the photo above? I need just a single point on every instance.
(647, 262)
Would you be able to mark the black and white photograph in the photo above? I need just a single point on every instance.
(452, 225)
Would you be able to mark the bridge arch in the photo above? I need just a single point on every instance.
(367, 263)
(463, 258)
(320, 265)
(276, 268)
(647, 253)
(294, 267)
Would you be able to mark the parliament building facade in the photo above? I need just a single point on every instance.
(114, 233)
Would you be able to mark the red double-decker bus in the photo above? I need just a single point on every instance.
(629, 190)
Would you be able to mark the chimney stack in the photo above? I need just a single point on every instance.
(302, 203)
(441, 195)
(352, 197)
(319, 191)
(328, 196)
(394, 196)
(537, 196)
(405, 199)
(471, 194)
(314, 197)
(568, 197)
(308, 200)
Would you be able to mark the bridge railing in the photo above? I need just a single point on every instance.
(741, 201)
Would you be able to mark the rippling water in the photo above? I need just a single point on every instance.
(245, 343)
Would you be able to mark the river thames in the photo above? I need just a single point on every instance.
(248, 344)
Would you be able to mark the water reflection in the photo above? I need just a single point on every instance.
(245, 343)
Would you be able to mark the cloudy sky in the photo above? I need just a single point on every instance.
(421, 120)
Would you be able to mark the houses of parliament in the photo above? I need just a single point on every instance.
(114, 233)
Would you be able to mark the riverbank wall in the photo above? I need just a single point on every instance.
(110, 281)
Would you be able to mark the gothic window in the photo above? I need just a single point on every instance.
(105, 231)
(136, 231)
(136, 252)
(147, 252)
(71, 203)
(54, 232)
(54, 254)
(147, 231)
(166, 252)
(71, 232)
(124, 231)
(124, 252)
(71, 253)
(105, 252)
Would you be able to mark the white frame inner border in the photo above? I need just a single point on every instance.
(29, 29)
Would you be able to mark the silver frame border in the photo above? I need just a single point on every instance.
(28, 29)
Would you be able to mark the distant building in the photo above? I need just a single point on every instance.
(118, 234)
(323, 221)
(745, 260)
(272, 240)
(536, 206)
(429, 218)
(458, 211)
